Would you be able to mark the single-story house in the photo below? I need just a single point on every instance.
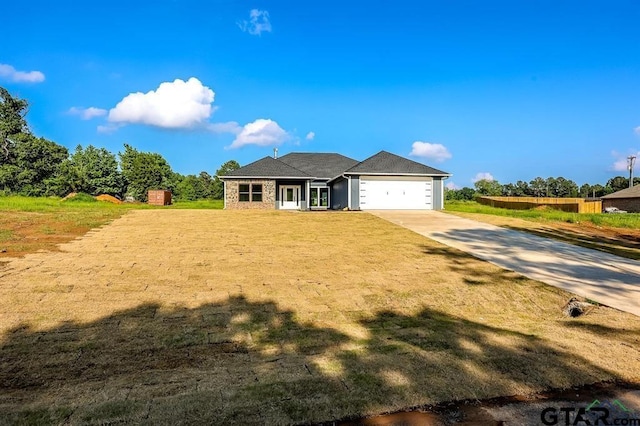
(627, 199)
(321, 181)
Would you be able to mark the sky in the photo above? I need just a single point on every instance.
(504, 90)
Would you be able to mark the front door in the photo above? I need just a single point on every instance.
(289, 197)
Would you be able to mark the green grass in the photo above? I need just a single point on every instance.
(199, 204)
(629, 220)
(53, 204)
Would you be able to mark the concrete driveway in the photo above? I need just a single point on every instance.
(607, 279)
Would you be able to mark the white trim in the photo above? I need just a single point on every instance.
(224, 193)
(397, 174)
(349, 193)
(346, 174)
(297, 197)
(267, 177)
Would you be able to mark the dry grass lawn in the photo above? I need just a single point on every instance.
(218, 317)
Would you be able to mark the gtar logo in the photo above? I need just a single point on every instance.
(596, 413)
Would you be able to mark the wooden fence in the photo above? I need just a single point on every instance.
(572, 205)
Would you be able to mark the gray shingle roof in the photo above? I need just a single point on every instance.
(267, 167)
(633, 192)
(387, 163)
(319, 165)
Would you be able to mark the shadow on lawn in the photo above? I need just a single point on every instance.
(627, 246)
(252, 363)
(464, 263)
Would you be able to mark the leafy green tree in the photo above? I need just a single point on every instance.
(92, 170)
(585, 191)
(522, 189)
(463, 194)
(617, 183)
(538, 187)
(599, 190)
(188, 188)
(192, 187)
(33, 166)
(206, 185)
(12, 123)
(485, 187)
(561, 187)
(466, 193)
(509, 190)
(143, 171)
(551, 184)
(218, 186)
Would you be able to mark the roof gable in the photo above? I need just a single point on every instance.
(267, 167)
(387, 163)
(633, 192)
(319, 165)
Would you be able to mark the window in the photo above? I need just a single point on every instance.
(319, 197)
(256, 192)
(243, 191)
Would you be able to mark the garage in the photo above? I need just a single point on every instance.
(396, 193)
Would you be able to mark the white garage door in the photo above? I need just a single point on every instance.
(395, 193)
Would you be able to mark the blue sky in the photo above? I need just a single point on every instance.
(507, 89)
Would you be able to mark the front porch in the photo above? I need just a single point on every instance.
(279, 194)
(302, 195)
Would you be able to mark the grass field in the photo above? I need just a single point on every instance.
(629, 220)
(29, 224)
(223, 317)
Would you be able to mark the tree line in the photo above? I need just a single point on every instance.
(34, 166)
(539, 187)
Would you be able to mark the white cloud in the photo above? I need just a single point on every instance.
(108, 128)
(228, 127)
(482, 176)
(310, 136)
(257, 24)
(621, 163)
(173, 105)
(10, 73)
(434, 151)
(451, 185)
(262, 132)
(637, 130)
(87, 113)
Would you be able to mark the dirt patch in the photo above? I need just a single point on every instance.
(108, 198)
(525, 410)
(22, 233)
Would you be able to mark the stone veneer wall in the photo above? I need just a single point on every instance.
(268, 202)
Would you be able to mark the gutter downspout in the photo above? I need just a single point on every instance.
(348, 191)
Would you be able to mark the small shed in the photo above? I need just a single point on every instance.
(159, 197)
